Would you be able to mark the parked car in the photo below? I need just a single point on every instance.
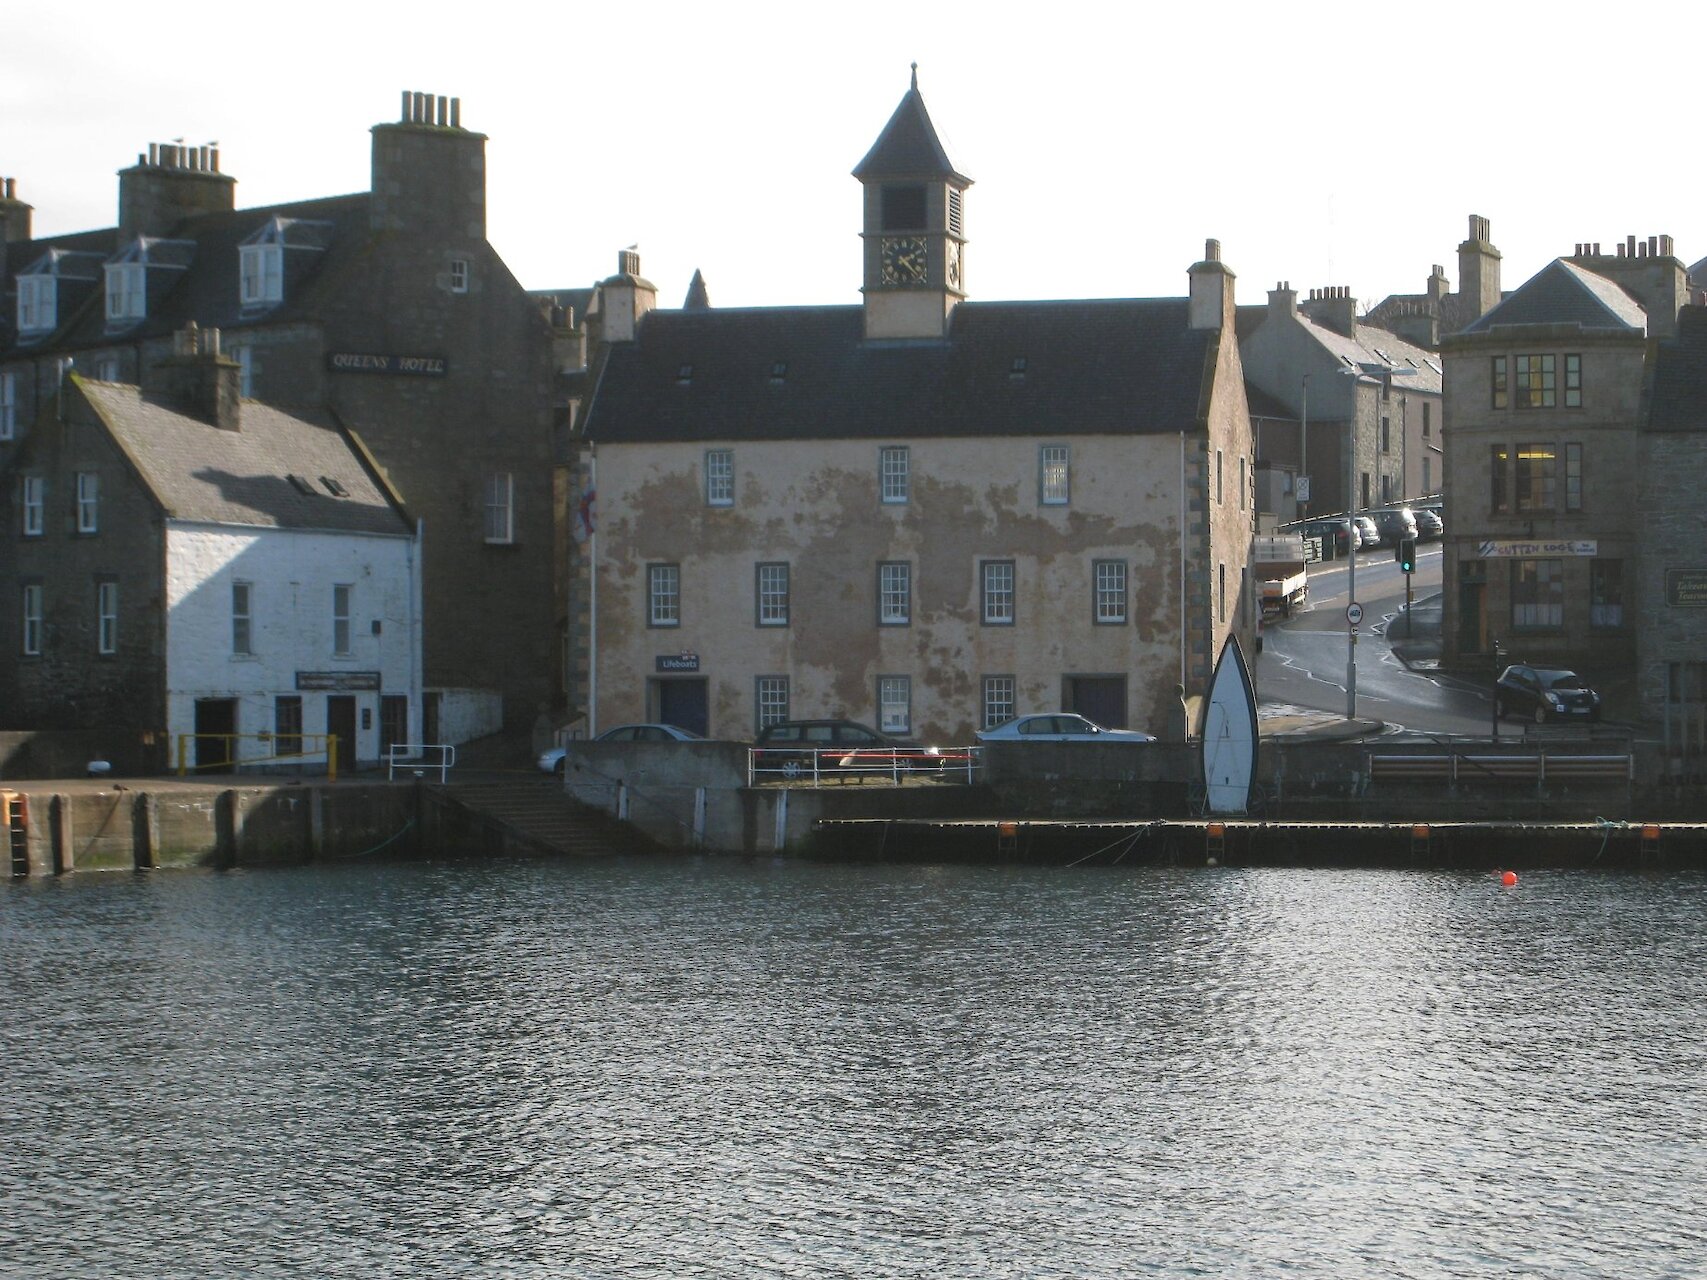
(552, 760)
(1545, 693)
(1391, 524)
(1060, 726)
(1367, 533)
(795, 747)
(1430, 527)
(1331, 530)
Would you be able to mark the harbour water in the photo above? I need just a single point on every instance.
(729, 1068)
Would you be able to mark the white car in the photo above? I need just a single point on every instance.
(1059, 726)
(552, 761)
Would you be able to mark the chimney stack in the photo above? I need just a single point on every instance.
(1478, 270)
(1334, 308)
(168, 184)
(198, 381)
(1211, 298)
(429, 173)
(1283, 299)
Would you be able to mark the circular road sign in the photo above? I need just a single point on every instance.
(1354, 613)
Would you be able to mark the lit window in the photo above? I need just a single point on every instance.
(895, 704)
(894, 594)
(892, 473)
(500, 508)
(1573, 382)
(1538, 594)
(459, 275)
(127, 291)
(770, 700)
(107, 617)
(772, 595)
(241, 642)
(998, 593)
(1110, 576)
(998, 703)
(260, 274)
(32, 628)
(35, 493)
(341, 594)
(1536, 467)
(663, 595)
(8, 406)
(1532, 383)
(719, 477)
(88, 502)
(37, 302)
(1052, 477)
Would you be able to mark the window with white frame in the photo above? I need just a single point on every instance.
(127, 290)
(663, 595)
(1052, 475)
(893, 466)
(500, 507)
(459, 275)
(997, 593)
(772, 592)
(260, 274)
(32, 628)
(88, 502)
(342, 594)
(770, 700)
(38, 297)
(895, 704)
(998, 701)
(1110, 579)
(107, 617)
(8, 406)
(35, 505)
(242, 637)
(719, 477)
(894, 593)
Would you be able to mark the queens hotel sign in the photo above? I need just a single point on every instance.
(408, 366)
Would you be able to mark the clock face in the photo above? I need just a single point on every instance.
(953, 264)
(903, 259)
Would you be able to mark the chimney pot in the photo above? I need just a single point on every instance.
(1212, 250)
(456, 113)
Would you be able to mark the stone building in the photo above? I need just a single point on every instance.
(387, 310)
(181, 561)
(1548, 553)
(1424, 318)
(1330, 383)
(922, 512)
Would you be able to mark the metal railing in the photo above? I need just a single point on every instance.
(311, 747)
(815, 766)
(413, 756)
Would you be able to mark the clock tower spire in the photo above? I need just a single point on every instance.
(914, 233)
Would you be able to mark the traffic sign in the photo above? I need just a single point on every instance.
(1354, 613)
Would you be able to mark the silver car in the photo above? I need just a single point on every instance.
(1059, 726)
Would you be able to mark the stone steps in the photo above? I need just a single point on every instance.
(540, 813)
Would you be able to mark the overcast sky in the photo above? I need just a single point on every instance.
(1329, 143)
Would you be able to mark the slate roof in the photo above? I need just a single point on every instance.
(1678, 399)
(1564, 293)
(1263, 405)
(197, 471)
(908, 146)
(320, 234)
(1113, 366)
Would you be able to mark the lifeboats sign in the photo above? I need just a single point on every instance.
(1686, 588)
(408, 366)
(1536, 549)
(677, 662)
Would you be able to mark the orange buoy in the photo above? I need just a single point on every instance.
(1509, 879)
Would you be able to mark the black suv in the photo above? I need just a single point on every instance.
(1393, 523)
(798, 748)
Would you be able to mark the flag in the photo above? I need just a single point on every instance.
(584, 513)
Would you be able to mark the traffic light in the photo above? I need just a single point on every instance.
(1406, 554)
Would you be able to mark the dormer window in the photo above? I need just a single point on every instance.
(260, 274)
(37, 299)
(127, 290)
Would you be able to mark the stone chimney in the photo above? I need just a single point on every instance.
(1283, 300)
(1333, 308)
(1478, 271)
(169, 183)
(429, 173)
(1437, 288)
(624, 298)
(1649, 271)
(1211, 304)
(197, 380)
(14, 213)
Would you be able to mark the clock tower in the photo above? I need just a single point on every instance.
(915, 243)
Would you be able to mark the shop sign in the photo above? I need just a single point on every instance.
(339, 681)
(1686, 588)
(1536, 549)
(413, 366)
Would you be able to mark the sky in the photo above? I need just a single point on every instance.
(1326, 143)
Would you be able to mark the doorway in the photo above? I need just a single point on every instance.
(216, 729)
(684, 703)
(393, 721)
(1098, 698)
(341, 724)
